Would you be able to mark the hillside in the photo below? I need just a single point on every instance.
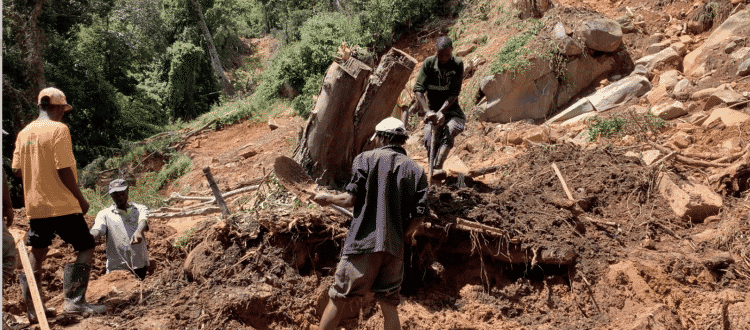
(661, 240)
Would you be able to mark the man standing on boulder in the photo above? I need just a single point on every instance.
(389, 193)
(43, 159)
(122, 225)
(440, 78)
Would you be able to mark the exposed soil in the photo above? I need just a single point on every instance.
(623, 261)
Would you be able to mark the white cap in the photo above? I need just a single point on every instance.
(390, 125)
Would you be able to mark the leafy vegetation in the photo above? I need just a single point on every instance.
(604, 128)
(513, 56)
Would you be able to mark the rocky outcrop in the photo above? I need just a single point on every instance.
(736, 25)
(565, 44)
(601, 34)
(619, 92)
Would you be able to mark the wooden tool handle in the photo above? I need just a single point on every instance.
(31, 280)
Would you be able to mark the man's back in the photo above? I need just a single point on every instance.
(43, 147)
(390, 190)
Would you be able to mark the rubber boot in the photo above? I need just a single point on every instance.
(30, 311)
(438, 172)
(75, 283)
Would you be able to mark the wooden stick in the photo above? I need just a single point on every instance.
(663, 159)
(31, 280)
(685, 160)
(478, 225)
(565, 185)
(216, 191)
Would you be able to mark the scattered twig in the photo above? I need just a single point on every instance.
(663, 159)
(685, 160)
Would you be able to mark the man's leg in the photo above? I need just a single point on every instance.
(390, 316)
(331, 315)
(76, 275)
(39, 238)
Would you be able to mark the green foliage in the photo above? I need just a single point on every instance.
(605, 128)
(178, 165)
(185, 61)
(304, 103)
(513, 56)
(183, 241)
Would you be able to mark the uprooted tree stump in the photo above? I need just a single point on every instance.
(350, 104)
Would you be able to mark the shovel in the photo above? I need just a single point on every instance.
(293, 178)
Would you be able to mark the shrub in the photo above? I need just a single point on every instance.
(605, 128)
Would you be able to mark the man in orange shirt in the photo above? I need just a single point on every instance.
(43, 158)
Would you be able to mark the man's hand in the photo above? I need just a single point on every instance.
(137, 237)
(435, 117)
(84, 205)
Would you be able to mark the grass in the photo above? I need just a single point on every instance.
(605, 128)
(183, 241)
(513, 56)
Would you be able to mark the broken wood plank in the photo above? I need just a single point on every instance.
(216, 191)
(31, 280)
(564, 185)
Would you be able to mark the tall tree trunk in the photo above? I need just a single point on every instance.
(34, 42)
(380, 97)
(329, 131)
(215, 62)
(350, 104)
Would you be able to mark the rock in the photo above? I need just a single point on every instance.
(626, 24)
(248, 153)
(686, 39)
(685, 127)
(669, 78)
(619, 92)
(580, 73)
(736, 25)
(601, 34)
(692, 202)
(664, 57)
(680, 48)
(718, 260)
(655, 38)
(632, 154)
(650, 156)
(681, 140)
(730, 47)
(578, 118)
(657, 95)
(271, 124)
(639, 70)
(744, 68)
(740, 54)
(712, 219)
(648, 244)
(682, 89)
(726, 96)
(581, 106)
(704, 93)
(728, 116)
(565, 44)
(655, 48)
(515, 96)
(668, 111)
(465, 50)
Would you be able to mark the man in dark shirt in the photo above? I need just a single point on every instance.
(389, 193)
(440, 78)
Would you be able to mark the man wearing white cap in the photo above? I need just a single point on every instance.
(43, 159)
(122, 226)
(389, 193)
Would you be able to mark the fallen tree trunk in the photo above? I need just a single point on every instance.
(322, 149)
(380, 97)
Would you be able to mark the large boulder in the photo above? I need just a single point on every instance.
(664, 57)
(565, 44)
(744, 68)
(670, 110)
(736, 25)
(578, 108)
(725, 96)
(580, 73)
(513, 96)
(619, 92)
(601, 34)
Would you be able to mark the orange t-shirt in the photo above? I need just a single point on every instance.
(42, 148)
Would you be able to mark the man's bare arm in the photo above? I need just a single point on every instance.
(343, 199)
(69, 180)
